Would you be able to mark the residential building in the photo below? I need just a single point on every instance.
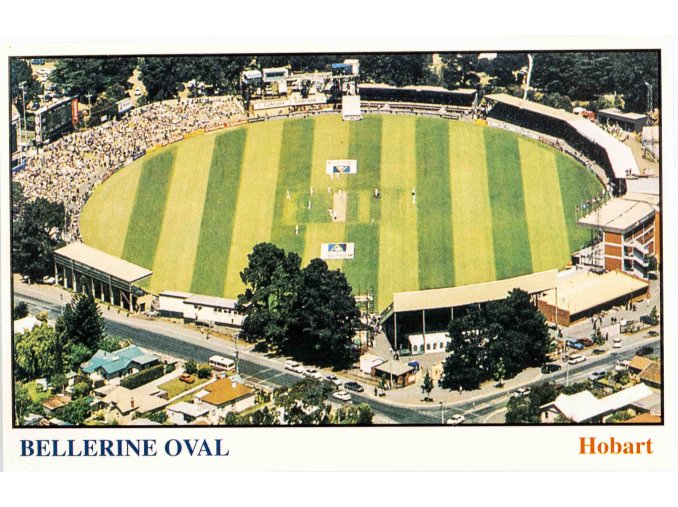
(124, 405)
(113, 365)
(225, 395)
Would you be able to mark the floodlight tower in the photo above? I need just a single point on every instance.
(530, 61)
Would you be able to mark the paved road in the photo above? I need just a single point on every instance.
(265, 374)
(184, 344)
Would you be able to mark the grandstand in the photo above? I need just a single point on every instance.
(461, 97)
(615, 158)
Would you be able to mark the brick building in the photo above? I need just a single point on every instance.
(628, 228)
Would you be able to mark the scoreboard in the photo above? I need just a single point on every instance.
(55, 120)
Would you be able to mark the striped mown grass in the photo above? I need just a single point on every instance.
(543, 206)
(145, 221)
(434, 204)
(209, 271)
(512, 255)
(489, 204)
(471, 214)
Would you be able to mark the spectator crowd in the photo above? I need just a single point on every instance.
(69, 169)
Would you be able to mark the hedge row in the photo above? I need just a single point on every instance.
(143, 377)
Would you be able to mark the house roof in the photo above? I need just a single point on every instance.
(639, 363)
(644, 419)
(127, 401)
(584, 406)
(224, 391)
(395, 368)
(114, 362)
(618, 113)
(175, 294)
(188, 409)
(58, 401)
(103, 262)
(652, 373)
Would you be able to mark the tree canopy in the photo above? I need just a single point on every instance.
(307, 313)
(35, 236)
(93, 75)
(498, 340)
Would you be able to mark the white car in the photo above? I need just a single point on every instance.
(49, 280)
(456, 420)
(341, 396)
(313, 373)
(622, 365)
(333, 379)
(576, 359)
(519, 393)
(616, 343)
(137, 92)
(292, 365)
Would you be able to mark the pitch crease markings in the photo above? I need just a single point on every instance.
(543, 206)
(510, 238)
(365, 146)
(330, 142)
(471, 215)
(214, 243)
(397, 244)
(256, 199)
(103, 226)
(142, 236)
(434, 207)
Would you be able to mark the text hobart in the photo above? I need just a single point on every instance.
(143, 447)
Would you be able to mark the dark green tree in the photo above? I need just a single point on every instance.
(20, 71)
(468, 364)
(82, 322)
(191, 367)
(355, 415)
(82, 76)
(158, 416)
(33, 357)
(325, 314)
(521, 410)
(75, 412)
(22, 402)
(427, 387)
(35, 236)
(112, 343)
(20, 310)
(304, 403)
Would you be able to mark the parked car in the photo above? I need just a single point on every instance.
(333, 379)
(341, 396)
(187, 377)
(616, 343)
(597, 375)
(576, 359)
(137, 92)
(519, 393)
(49, 280)
(354, 386)
(574, 345)
(597, 352)
(294, 366)
(645, 319)
(622, 365)
(644, 351)
(586, 342)
(550, 368)
(455, 420)
(313, 373)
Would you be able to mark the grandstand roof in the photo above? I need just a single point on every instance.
(212, 301)
(618, 215)
(618, 113)
(646, 186)
(533, 107)
(621, 157)
(470, 294)
(101, 261)
(583, 290)
(439, 89)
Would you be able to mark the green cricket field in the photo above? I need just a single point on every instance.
(487, 205)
